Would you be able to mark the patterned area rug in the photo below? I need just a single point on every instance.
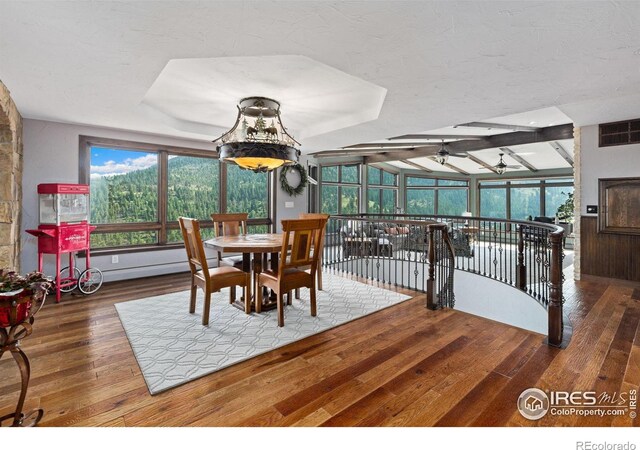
(172, 347)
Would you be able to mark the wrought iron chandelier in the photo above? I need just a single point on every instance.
(258, 141)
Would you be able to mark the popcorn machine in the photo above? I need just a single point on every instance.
(64, 228)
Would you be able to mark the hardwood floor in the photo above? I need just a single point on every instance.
(404, 365)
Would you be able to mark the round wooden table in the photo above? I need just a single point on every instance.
(261, 245)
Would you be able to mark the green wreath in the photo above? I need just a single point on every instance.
(284, 183)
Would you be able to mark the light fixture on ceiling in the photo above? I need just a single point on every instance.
(501, 167)
(443, 155)
(258, 141)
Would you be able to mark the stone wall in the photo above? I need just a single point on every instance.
(10, 180)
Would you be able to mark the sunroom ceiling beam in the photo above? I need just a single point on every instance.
(520, 159)
(557, 146)
(383, 145)
(547, 134)
(438, 136)
(351, 152)
(497, 126)
(452, 167)
(416, 165)
(482, 163)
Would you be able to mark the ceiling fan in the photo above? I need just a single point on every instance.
(502, 167)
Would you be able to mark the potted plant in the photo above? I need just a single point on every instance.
(18, 293)
(565, 211)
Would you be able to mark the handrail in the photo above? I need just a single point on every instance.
(524, 254)
(440, 292)
(548, 226)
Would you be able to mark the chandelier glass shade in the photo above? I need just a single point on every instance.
(258, 141)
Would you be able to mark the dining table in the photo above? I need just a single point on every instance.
(260, 246)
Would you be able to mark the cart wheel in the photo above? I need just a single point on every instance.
(64, 273)
(90, 281)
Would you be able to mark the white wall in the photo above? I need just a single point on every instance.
(497, 301)
(606, 162)
(51, 152)
(300, 202)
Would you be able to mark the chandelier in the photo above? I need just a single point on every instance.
(258, 141)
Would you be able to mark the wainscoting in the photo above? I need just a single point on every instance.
(608, 255)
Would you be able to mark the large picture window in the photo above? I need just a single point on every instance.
(139, 190)
(523, 199)
(382, 193)
(433, 196)
(340, 189)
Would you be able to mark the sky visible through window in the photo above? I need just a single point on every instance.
(108, 161)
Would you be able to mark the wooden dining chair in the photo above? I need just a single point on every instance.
(230, 225)
(320, 250)
(303, 235)
(209, 280)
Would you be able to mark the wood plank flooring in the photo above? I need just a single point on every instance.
(403, 366)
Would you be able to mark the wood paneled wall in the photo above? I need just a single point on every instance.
(608, 255)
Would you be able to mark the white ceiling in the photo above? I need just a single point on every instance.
(442, 63)
(201, 94)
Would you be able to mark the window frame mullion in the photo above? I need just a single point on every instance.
(163, 192)
(222, 168)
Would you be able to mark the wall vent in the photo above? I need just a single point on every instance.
(620, 133)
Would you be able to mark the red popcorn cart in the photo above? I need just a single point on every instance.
(64, 228)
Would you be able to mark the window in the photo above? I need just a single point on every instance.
(420, 181)
(525, 202)
(245, 192)
(452, 202)
(349, 200)
(138, 191)
(493, 203)
(340, 189)
(193, 188)
(330, 174)
(523, 198)
(329, 200)
(555, 196)
(382, 194)
(433, 196)
(421, 201)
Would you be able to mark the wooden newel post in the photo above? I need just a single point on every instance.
(555, 290)
(431, 301)
(521, 269)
